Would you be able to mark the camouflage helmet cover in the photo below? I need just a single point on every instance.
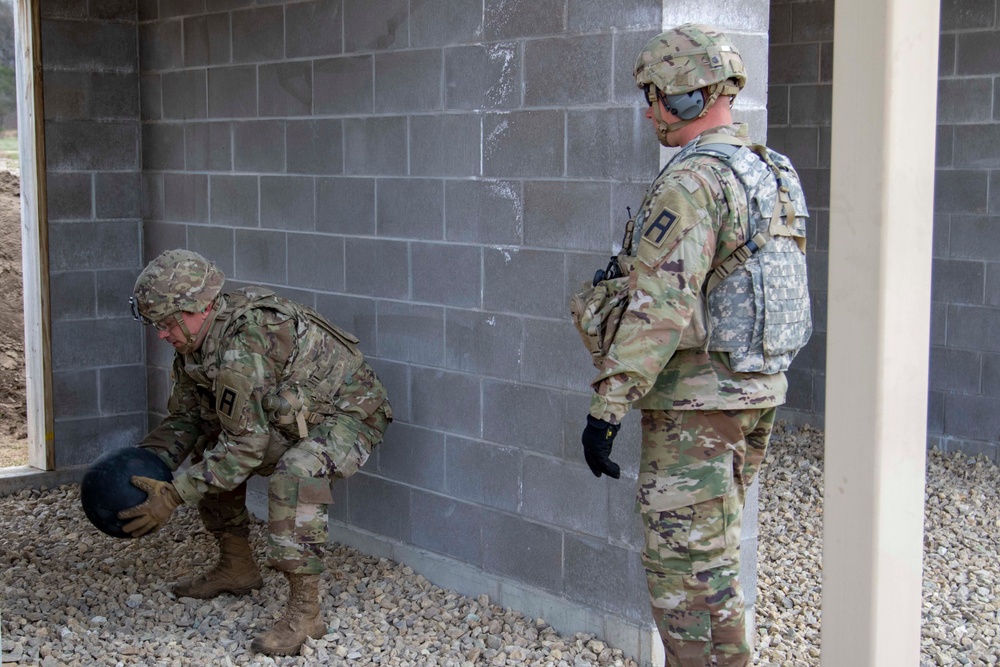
(177, 280)
(687, 58)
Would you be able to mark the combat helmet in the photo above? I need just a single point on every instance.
(680, 62)
(178, 281)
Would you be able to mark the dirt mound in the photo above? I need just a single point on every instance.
(13, 410)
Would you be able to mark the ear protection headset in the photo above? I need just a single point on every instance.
(686, 106)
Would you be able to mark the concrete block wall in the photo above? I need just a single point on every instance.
(91, 114)
(964, 397)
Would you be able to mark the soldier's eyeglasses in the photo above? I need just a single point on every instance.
(139, 317)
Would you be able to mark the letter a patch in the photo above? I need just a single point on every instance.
(657, 232)
(231, 393)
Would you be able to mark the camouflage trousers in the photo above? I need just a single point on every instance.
(298, 491)
(695, 469)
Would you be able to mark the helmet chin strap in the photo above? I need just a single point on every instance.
(192, 343)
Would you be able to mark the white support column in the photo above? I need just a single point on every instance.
(884, 83)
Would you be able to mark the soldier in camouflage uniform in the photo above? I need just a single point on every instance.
(262, 386)
(705, 426)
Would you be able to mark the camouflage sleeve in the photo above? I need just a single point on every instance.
(177, 434)
(252, 359)
(674, 255)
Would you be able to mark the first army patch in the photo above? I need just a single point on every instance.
(658, 231)
(231, 393)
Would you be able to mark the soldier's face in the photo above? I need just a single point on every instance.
(667, 117)
(170, 330)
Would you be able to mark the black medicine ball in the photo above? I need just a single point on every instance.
(107, 487)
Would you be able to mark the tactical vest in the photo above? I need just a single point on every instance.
(755, 303)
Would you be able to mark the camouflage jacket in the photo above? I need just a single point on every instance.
(687, 229)
(255, 348)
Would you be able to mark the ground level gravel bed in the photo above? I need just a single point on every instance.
(72, 596)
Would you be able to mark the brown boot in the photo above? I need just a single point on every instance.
(302, 618)
(235, 573)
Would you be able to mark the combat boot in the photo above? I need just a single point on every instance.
(235, 573)
(302, 618)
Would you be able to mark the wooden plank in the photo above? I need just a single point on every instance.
(34, 236)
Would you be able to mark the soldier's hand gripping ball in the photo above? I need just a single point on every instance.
(147, 517)
(597, 438)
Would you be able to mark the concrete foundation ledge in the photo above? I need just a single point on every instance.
(17, 478)
(566, 616)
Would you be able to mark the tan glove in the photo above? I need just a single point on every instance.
(150, 515)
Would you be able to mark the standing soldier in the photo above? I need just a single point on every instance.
(717, 308)
(262, 386)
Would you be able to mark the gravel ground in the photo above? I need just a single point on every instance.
(71, 596)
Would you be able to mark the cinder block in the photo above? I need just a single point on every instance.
(447, 274)
(939, 323)
(966, 14)
(800, 144)
(525, 551)
(411, 333)
(74, 394)
(624, 523)
(567, 214)
(206, 40)
(554, 355)
(991, 375)
(826, 62)
(115, 96)
(69, 196)
(172, 8)
(408, 81)
(541, 17)
(616, 144)
(65, 9)
(445, 23)
(88, 343)
(523, 143)
(410, 208)
(485, 344)
(606, 576)
(333, 76)
(800, 392)
(77, 246)
(447, 527)
(392, 281)
(71, 295)
(91, 45)
(92, 146)
(992, 284)
(818, 269)
(971, 237)
(779, 26)
(117, 195)
(777, 105)
(595, 16)
(523, 416)
(528, 282)
(812, 21)
(935, 413)
(955, 370)
(314, 28)
(356, 315)
(627, 46)
(414, 456)
(396, 380)
(160, 46)
(148, 10)
(315, 146)
(565, 496)
(977, 146)
(376, 25)
(381, 506)
(446, 401)
(208, 146)
(489, 212)
(944, 146)
(288, 202)
(261, 257)
(973, 328)
(483, 76)
(316, 261)
(232, 92)
(258, 34)
(184, 94)
(942, 236)
(259, 146)
(947, 47)
(123, 389)
(977, 54)
(813, 356)
(548, 81)
(215, 243)
(482, 473)
(185, 197)
(445, 145)
(371, 146)
(960, 191)
(66, 95)
(233, 200)
(972, 416)
(811, 105)
(958, 282)
(345, 206)
(162, 146)
(966, 100)
(80, 441)
(285, 89)
(816, 185)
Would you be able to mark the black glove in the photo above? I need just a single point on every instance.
(597, 439)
